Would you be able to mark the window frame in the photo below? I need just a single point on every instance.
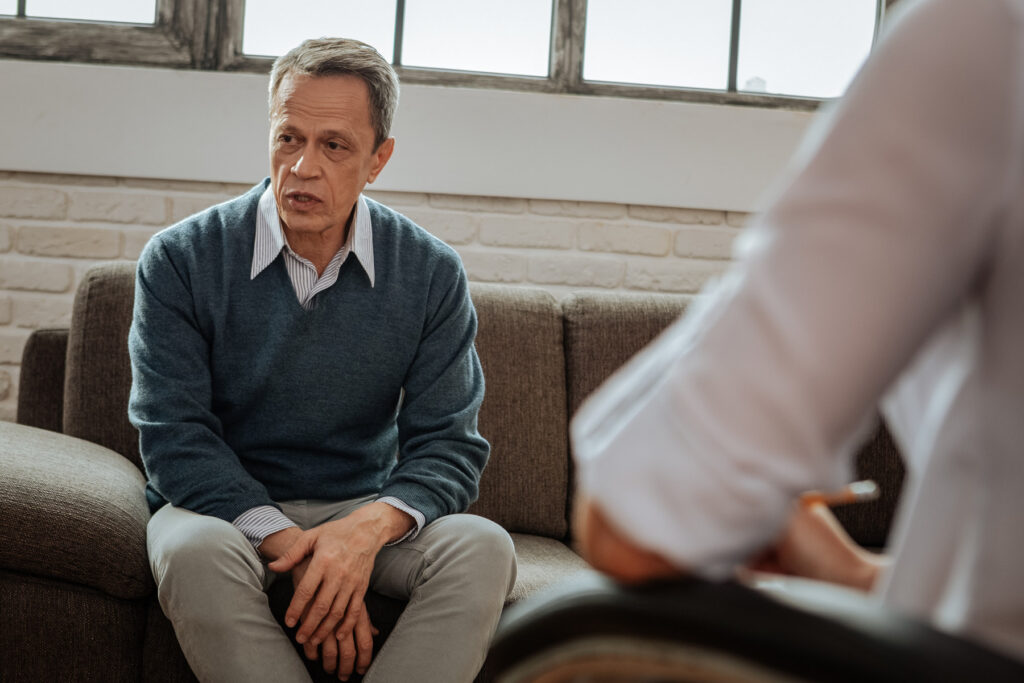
(207, 35)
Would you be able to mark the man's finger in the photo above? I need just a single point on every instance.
(326, 630)
(304, 593)
(329, 655)
(298, 551)
(355, 608)
(346, 656)
(364, 642)
(321, 608)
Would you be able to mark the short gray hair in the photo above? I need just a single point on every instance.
(344, 57)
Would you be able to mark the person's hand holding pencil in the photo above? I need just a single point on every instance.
(857, 492)
(815, 546)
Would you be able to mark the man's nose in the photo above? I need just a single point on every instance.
(307, 165)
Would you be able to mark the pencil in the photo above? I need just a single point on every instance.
(857, 492)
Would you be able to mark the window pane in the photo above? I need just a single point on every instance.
(273, 27)
(133, 11)
(655, 42)
(810, 48)
(9, 7)
(493, 36)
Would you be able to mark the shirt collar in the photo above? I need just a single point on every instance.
(270, 238)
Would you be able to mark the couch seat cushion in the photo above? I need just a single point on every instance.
(543, 562)
(73, 511)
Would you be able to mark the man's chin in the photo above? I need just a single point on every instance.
(302, 223)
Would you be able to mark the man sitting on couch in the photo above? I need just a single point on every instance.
(286, 346)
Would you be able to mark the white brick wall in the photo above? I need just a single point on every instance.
(53, 227)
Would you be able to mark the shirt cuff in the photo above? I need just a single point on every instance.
(259, 522)
(414, 513)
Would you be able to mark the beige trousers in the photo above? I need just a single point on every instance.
(210, 581)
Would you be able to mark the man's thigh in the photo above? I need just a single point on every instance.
(190, 546)
(466, 547)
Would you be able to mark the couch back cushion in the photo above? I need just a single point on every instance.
(524, 487)
(41, 380)
(99, 374)
(604, 330)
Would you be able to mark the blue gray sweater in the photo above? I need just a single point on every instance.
(242, 398)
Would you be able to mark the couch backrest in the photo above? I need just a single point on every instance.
(540, 359)
(523, 416)
(99, 376)
(604, 330)
(524, 487)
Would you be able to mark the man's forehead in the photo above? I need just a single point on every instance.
(343, 98)
(327, 86)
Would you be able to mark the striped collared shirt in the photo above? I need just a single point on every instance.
(270, 242)
(259, 522)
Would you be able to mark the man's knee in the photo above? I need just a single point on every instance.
(188, 547)
(482, 550)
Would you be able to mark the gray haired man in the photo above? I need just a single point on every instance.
(286, 345)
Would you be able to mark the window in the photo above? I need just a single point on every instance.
(809, 48)
(510, 37)
(126, 11)
(144, 32)
(763, 52)
(800, 48)
(272, 27)
(652, 42)
(492, 36)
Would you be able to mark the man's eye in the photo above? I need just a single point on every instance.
(335, 146)
(286, 139)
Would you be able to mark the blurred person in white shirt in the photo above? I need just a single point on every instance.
(887, 272)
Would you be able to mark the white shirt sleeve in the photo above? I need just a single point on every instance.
(696, 449)
(259, 522)
(417, 516)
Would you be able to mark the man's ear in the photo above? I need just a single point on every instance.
(380, 158)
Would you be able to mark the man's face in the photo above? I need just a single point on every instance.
(322, 151)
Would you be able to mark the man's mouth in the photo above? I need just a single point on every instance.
(301, 198)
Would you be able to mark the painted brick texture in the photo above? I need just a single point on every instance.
(54, 227)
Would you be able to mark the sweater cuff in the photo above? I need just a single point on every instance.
(259, 522)
(412, 512)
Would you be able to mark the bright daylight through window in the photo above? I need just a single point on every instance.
(499, 36)
(804, 48)
(654, 42)
(131, 11)
(273, 27)
(809, 48)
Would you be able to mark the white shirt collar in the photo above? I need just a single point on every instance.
(270, 238)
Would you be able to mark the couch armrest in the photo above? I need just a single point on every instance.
(72, 511)
(41, 387)
(726, 631)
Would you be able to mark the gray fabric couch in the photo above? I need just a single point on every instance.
(76, 596)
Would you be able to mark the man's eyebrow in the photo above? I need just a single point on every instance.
(346, 135)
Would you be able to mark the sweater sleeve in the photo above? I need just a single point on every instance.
(696, 449)
(441, 454)
(187, 461)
